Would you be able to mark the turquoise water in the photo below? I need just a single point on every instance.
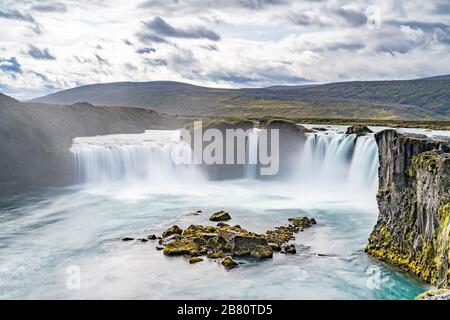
(44, 232)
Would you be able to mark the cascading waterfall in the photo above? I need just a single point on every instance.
(151, 156)
(326, 159)
(252, 154)
(333, 159)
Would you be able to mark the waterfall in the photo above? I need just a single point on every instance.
(151, 156)
(326, 159)
(334, 159)
(252, 154)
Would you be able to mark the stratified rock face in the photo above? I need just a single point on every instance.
(413, 227)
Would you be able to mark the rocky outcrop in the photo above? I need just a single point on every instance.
(358, 130)
(413, 227)
(224, 242)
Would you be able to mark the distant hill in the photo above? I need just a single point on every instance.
(407, 99)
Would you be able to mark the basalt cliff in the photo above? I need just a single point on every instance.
(413, 226)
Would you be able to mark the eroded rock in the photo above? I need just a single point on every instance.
(171, 231)
(262, 252)
(220, 216)
(229, 263)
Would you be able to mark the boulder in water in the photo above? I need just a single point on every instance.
(262, 252)
(171, 231)
(220, 216)
(195, 260)
(302, 222)
(244, 245)
(290, 248)
(229, 263)
(127, 239)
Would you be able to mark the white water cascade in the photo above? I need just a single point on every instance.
(335, 159)
(326, 159)
(132, 157)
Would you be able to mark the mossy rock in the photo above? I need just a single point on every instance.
(262, 252)
(220, 216)
(229, 263)
(171, 231)
(180, 247)
(195, 260)
(302, 222)
(437, 294)
(244, 245)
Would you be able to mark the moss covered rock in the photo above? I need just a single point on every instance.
(220, 216)
(195, 260)
(229, 263)
(262, 252)
(171, 231)
(244, 245)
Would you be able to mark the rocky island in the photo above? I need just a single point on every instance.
(224, 242)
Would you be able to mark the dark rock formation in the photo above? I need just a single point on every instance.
(358, 130)
(220, 216)
(413, 227)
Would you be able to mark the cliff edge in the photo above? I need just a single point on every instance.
(413, 226)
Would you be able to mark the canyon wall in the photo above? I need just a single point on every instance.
(413, 227)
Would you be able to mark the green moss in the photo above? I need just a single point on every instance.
(426, 160)
(431, 293)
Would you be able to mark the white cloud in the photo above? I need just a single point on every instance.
(235, 43)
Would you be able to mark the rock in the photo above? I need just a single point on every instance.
(169, 239)
(290, 248)
(438, 294)
(216, 255)
(182, 246)
(243, 245)
(171, 231)
(262, 252)
(159, 248)
(229, 263)
(220, 216)
(142, 239)
(222, 224)
(275, 247)
(320, 129)
(198, 211)
(127, 239)
(151, 237)
(280, 235)
(414, 208)
(358, 130)
(302, 222)
(195, 260)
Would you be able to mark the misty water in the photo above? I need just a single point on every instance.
(127, 186)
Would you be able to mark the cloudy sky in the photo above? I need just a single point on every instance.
(47, 46)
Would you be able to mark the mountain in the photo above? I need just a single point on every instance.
(426, 98)
(35, 138)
